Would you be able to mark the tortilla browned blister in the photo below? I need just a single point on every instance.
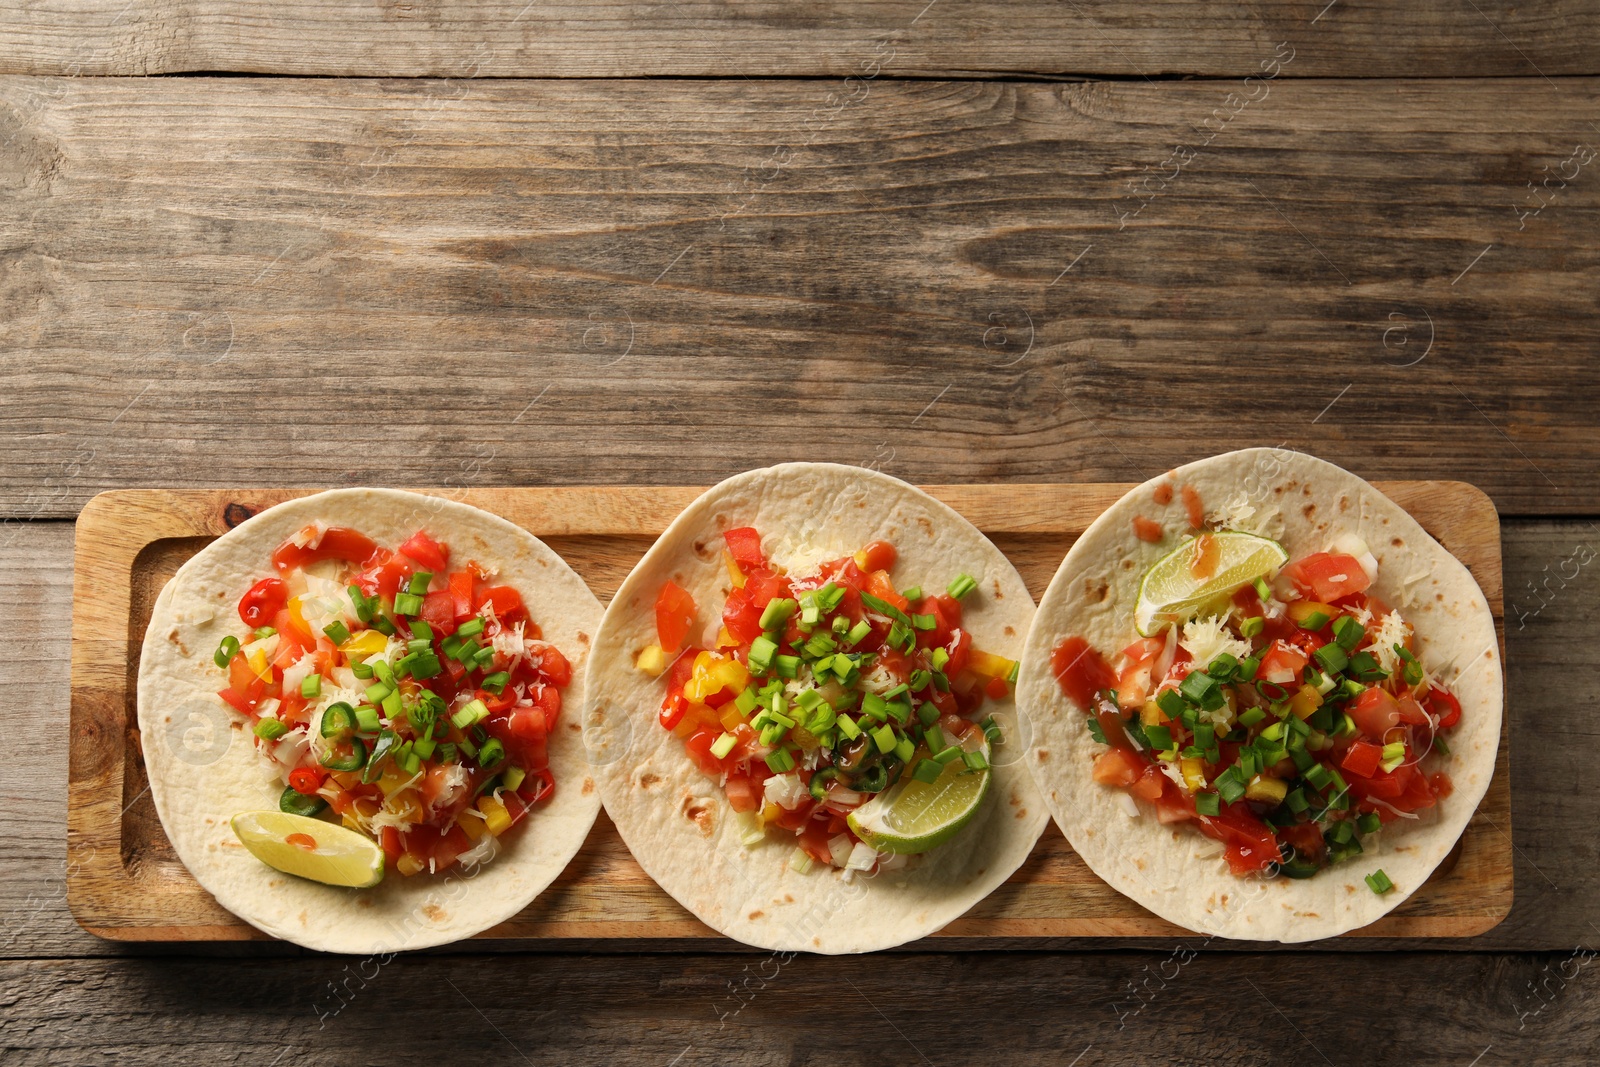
(204, 768)
(1305, 503)
(677, 821)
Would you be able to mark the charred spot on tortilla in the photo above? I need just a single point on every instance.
(436, 913)
(1041, 755)
(1010, 631)
(647, 780)
(702, 550)
(588, 786)
(583, 638)
(754, 915)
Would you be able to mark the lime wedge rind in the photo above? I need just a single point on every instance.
(1169, 593)
(913, 816)
(342, 856)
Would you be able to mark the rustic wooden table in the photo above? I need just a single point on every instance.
(500, 242)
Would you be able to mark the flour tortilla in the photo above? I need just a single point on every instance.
(204, 768)
(1305, 503)
(677, 821)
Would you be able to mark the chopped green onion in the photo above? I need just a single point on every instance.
(1296, 800)
(927, 771)
(491, 752)
(1171, 702)
(1223, 667)
(1332, 658)
(1442, 748)
(383, 626)
(1200, 688)
(848, 727)
(746, 700)
(471, 713)
(311, 686)
(1230, 784)
(1411, 673)
(377, 691)
(961, 585)
(407, 604)
(777, 612)
(418, 585)
(1160, 737)
(337, 632)
(780, 760)
(975, 761)
(1263, 590)
(924, 622)
(471, 628)
(1393, 756)
(1252, 626)
(820, 644)
(883, 607)
(261, 633)
(1318, 775)
(1379, 882)
(365, 606)
(1369, 823)
(496, 683)
(270, 729)
(1348, 632)
(1365, 667)
(992, 732)
(226, 650)
(786, 666)
(840, 625)
(762, 649)
(858, 632)
(1207, 804)
(884, 737)
(904, 749)
(367, 719)
(1251, 716)
(723, 745)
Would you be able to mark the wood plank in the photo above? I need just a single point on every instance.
(196, 271)
(1550, 660)
(130, 884)
(627, 38)
(1179, 1005)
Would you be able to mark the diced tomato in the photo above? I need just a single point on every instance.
(1117, 767)
(1375, 712)
(699, 746)
(461, 594)
(743, 793)
(744, 545)
(960, 652)
(538, 786)
(814, 840)
(1081, 671)
(527, 724)
(740, 615)
(1363, 758)
(1411, 712)
(1387, 786)
(547, 699)
(244, 703)
(878, 556)
(428, 552)
(439, 612)
(1281, 664)
(554, 666)
(262, 602)
(306, 780)
(506, 602)
(337, 542)
(1249, 845)
(1151, 784)
(384, 576)
(675, 611)
(389, 840)
(996, 689)
(880, 585)
(1441, 784)
(1445, 707)
(1328, 575)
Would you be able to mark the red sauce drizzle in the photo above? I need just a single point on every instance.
(1147, 529)
(1163, 493)
(1191, 503)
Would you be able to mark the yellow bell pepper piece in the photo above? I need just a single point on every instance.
(1305, 701)
(495, 815)
(769, 812)
(1194, 774)
(407, 864)
(735, 575)
(406, 806)
(1150, 714)
(714, 673)
(730, 717)
(474, 828)
(297, 618)
(257, 660)
(652, 661)
(364, 644)
(990, 665)
(1267, 790)
(725, 639)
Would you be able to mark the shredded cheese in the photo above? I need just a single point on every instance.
(1207, 638)
(1392, 630)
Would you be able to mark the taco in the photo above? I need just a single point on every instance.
(1264, 701)
(394, 682)
(798, 705)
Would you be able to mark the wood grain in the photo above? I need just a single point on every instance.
(545, 39)
(208, 282)
(1181, 1005)
(129, 884)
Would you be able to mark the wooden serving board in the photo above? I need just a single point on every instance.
(125, 881)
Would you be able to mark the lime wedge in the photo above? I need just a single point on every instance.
(320, 851)
(1170, 593)
(912, 816)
